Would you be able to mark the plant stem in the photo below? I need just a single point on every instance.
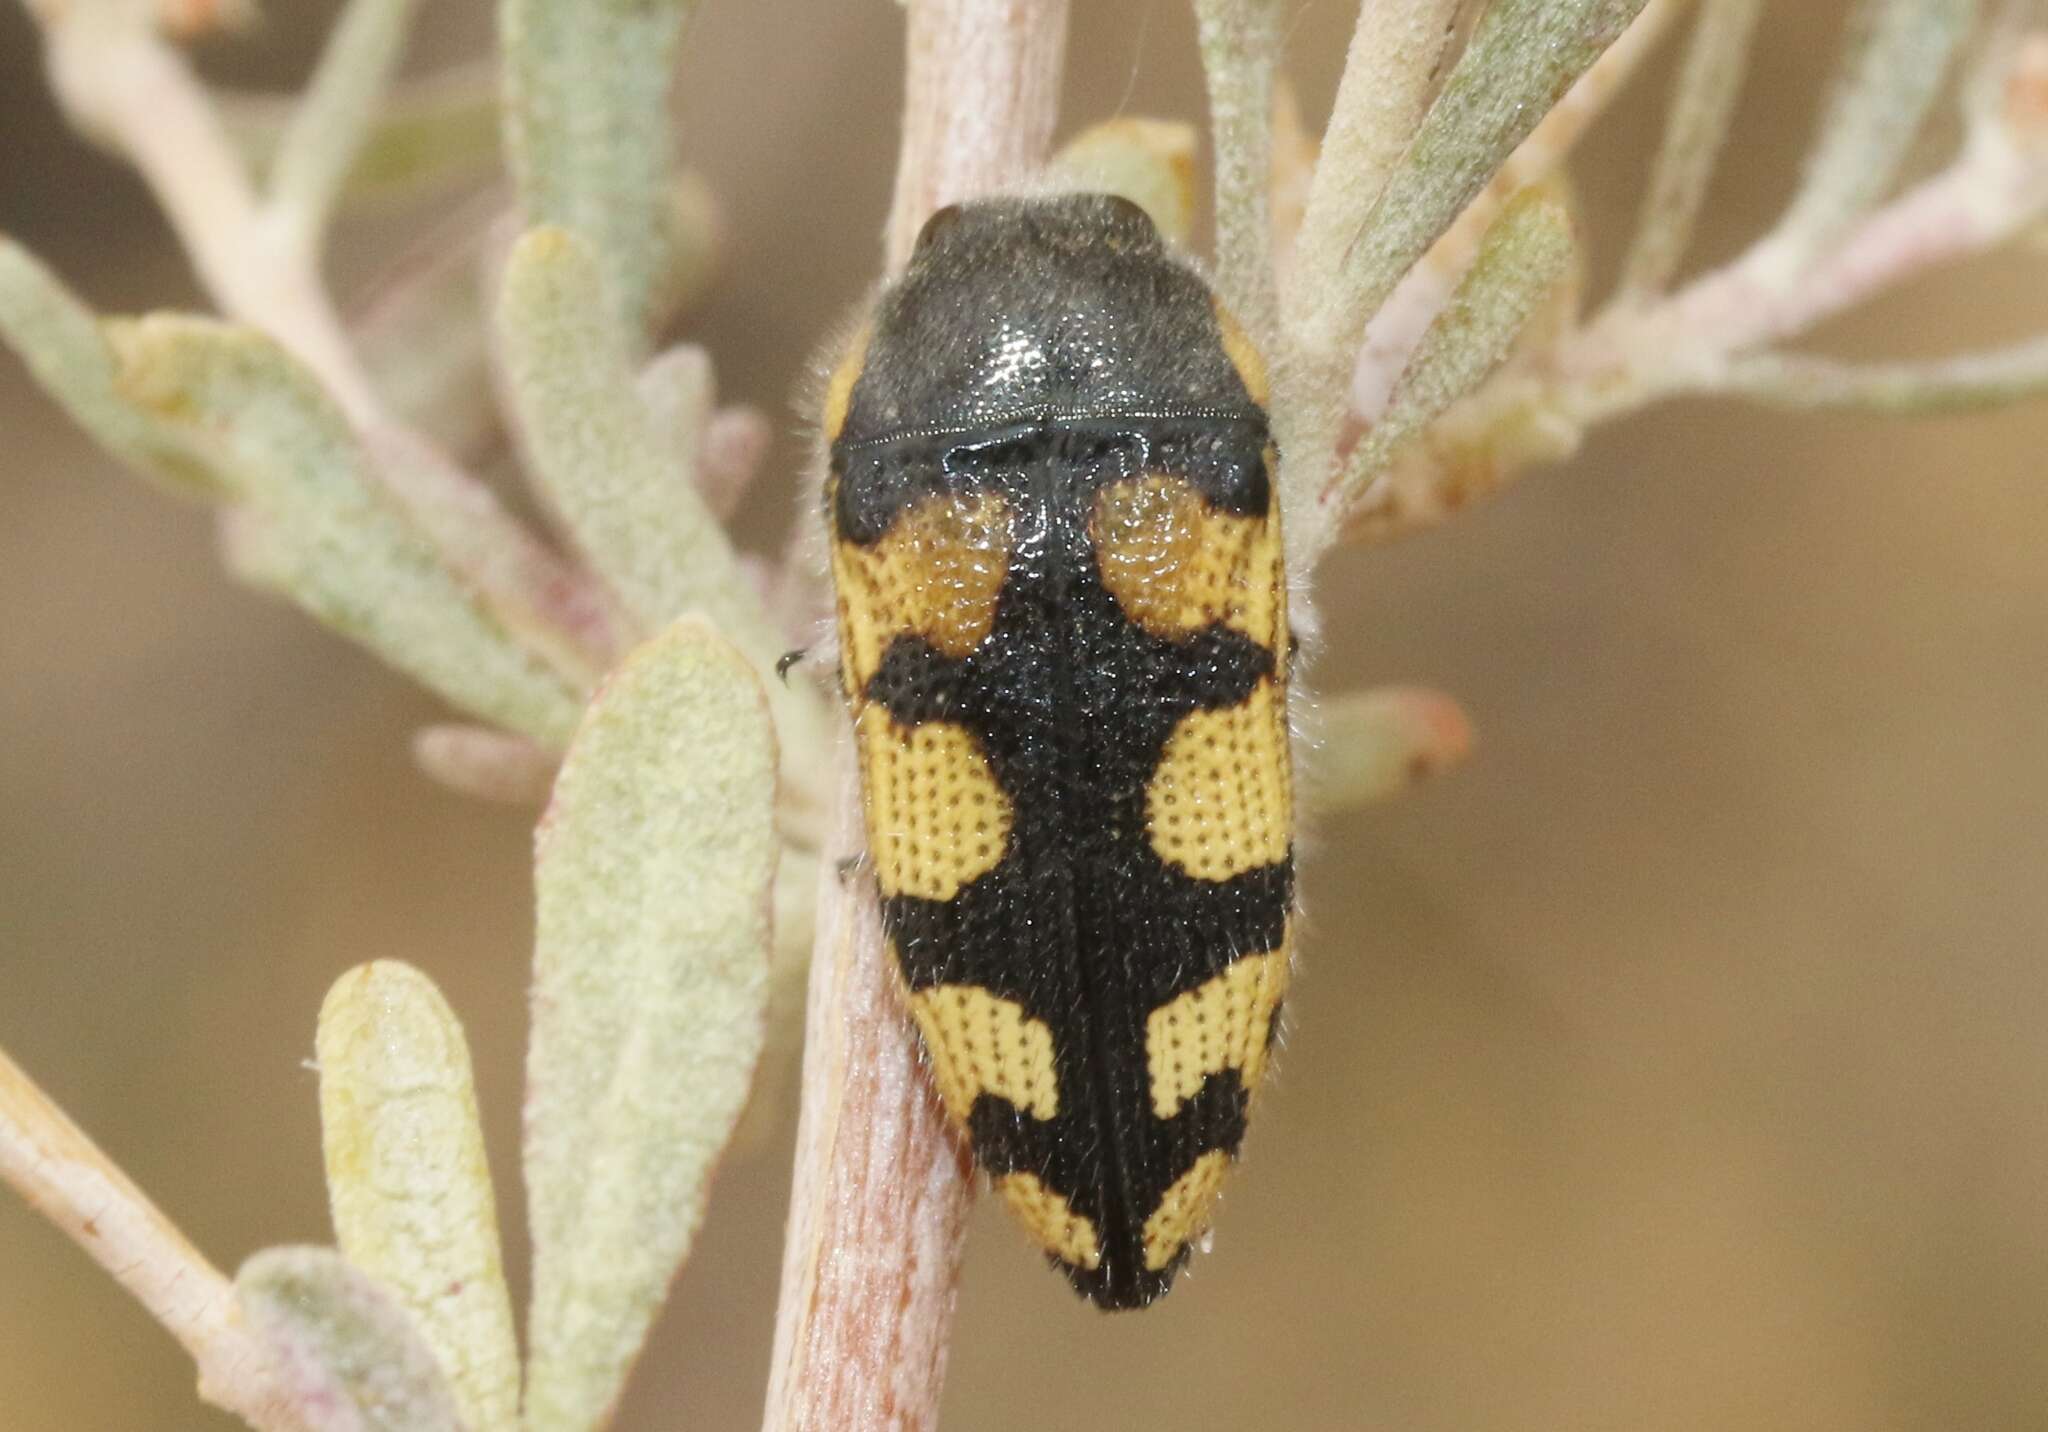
(64, 1177)
(981, 95)
(127, 87)
(1627, 360)
(879, 1197)
(878, 1206)
(1698, 339)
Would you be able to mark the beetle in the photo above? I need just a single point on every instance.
(1062, 610)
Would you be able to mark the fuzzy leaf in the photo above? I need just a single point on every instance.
(679, 391)
(1693, 135)
(654, 866)
(543, 601)
(331, 540)
(598, 456)
(1240, 42)
(354, 1356)
(1525, 254)
(736, 443)
(1390, 76)
(407, 1179)
(1963, 383)
(1151, 162)
(1897, 55)
(610, 474)
(60, 341)
(1521, 59)
(589, 134)
(489, 765)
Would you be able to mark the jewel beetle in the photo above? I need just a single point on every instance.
(1055, 544)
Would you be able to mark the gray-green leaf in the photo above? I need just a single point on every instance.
(1522, 58)
(332, 540)
(589, 134)
(407, 1178)
(1524, 255)
(654, 866)
(356, 1362)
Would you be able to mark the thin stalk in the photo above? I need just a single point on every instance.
(1707, 89)
(50, 1162)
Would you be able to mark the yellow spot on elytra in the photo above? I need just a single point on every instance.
(1244, 356)
(981, 1043)
(936, 573)
(936, 817)
(839, 388)
(1176, 565)
(1062, 1232)
(1184, 1210)
(1223, 1024)
(1221, 800)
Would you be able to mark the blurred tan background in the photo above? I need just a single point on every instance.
(1680, 1064)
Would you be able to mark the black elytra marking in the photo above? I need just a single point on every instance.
(1039, 349)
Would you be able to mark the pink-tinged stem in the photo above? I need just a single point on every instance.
(879, 1207)
(980, 100)
(879, 1200)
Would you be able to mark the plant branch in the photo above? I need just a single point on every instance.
(1701, 338)
(880, 1192)
(121, 83)
(125, 86)
(1993, 192)
(64, 1177)
(981, 96)
(1393, 332)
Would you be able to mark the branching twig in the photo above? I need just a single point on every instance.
(125, 85)
(1708, 335)
(1391, 336)
(52, 1164)
(1993, 192)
